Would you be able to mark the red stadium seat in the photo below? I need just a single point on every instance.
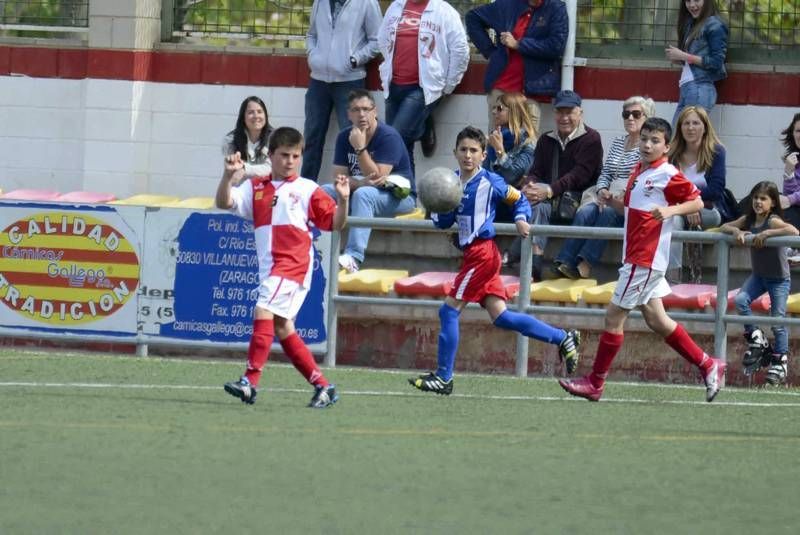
(31, 195)
(761, 304)
(439, 284)
(690, 296)
(91, 197)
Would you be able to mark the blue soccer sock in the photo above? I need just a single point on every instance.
(448, 341)
(530, 327)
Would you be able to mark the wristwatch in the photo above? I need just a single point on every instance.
(353, 62)
(362, 149)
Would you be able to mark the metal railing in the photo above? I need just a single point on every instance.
(648, 25)
(44, 15)
(720, 318)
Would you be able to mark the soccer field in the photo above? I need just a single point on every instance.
(104, 444)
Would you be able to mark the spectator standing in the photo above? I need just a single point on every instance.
(655, 194)
(696, 150)
(478, 281)
(282, 207)
(249, 138)
(770, 275)
(701, 50)
(425, 54)
(790, 200)
(342, 38)
(566, 162)
(368, 152)
(525, 56)
(578, 255)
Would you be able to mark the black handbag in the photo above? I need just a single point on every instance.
(565, 206)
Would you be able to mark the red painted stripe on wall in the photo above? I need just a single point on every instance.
(200, 67)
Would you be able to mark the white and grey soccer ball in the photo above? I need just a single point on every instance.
(439, 190)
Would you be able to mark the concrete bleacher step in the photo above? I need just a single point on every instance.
(560, 290)
(31, 195)
(371, 281)
(439, 284)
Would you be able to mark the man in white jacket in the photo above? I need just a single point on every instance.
(341, 40)
(425, 55)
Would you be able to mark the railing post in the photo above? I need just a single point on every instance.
(333, 291)
(167, 20)
(720, 328)
(523, 300)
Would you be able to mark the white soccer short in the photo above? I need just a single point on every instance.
(283, 297)
(637, 285)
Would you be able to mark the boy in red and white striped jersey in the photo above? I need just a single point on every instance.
(656, 192)
(281, 207)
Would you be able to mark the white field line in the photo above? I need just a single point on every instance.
(24, 384)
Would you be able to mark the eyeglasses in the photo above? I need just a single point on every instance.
(637, 114)
(499, 108)
(362, 109)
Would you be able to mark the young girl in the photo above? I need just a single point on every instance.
(770, 274)
(702, 45)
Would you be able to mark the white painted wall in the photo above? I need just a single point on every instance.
(140, 137)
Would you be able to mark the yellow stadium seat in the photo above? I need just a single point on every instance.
(793, 304)
(600, 294)
(146, 199)
(198, 203)
(418, 213)
(560, 290)
(372, 281)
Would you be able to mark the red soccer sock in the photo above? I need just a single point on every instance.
(258, 352)
(607, 350)
(681, 342)
(303, 360)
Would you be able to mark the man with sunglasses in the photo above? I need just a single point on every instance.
(369, 152)
(526, 55)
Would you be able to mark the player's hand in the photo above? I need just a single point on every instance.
(661, 213)
(523, 228)
(790, 163)
(693, 220)
(342, 186)
(357, 138)
(234, 166)
(507, 39)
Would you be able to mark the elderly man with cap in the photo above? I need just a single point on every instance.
(566, 161)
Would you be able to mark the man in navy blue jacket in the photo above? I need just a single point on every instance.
(526, 57)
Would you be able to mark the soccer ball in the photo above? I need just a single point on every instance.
(440, 190)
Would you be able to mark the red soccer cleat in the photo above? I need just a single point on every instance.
(582, 387)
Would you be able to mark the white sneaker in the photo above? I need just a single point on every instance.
(348, 263)
(714, 378)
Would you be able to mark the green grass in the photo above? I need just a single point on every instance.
(502, 455)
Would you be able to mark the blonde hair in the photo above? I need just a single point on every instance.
(518, 117)
(708, 145)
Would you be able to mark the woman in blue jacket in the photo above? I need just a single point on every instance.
(703, 42)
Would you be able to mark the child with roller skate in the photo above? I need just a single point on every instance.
(764, 219)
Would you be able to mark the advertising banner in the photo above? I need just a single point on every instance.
(200, 281)
(69, 268)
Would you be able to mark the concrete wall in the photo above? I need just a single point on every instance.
(129, 136)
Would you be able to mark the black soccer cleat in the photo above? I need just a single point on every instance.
(568, 350)
(243, 390)
(431, 382)
(757, 354)
(324, 396)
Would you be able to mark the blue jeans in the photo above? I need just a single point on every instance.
(703, 94)
(369, 201)
(321, 99)
(590, 215)
(778, 289)
(406, 112)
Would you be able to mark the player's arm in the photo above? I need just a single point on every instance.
(684, 208)
(234, 172)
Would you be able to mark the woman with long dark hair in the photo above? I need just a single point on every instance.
(249, 137)
(790, 200)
